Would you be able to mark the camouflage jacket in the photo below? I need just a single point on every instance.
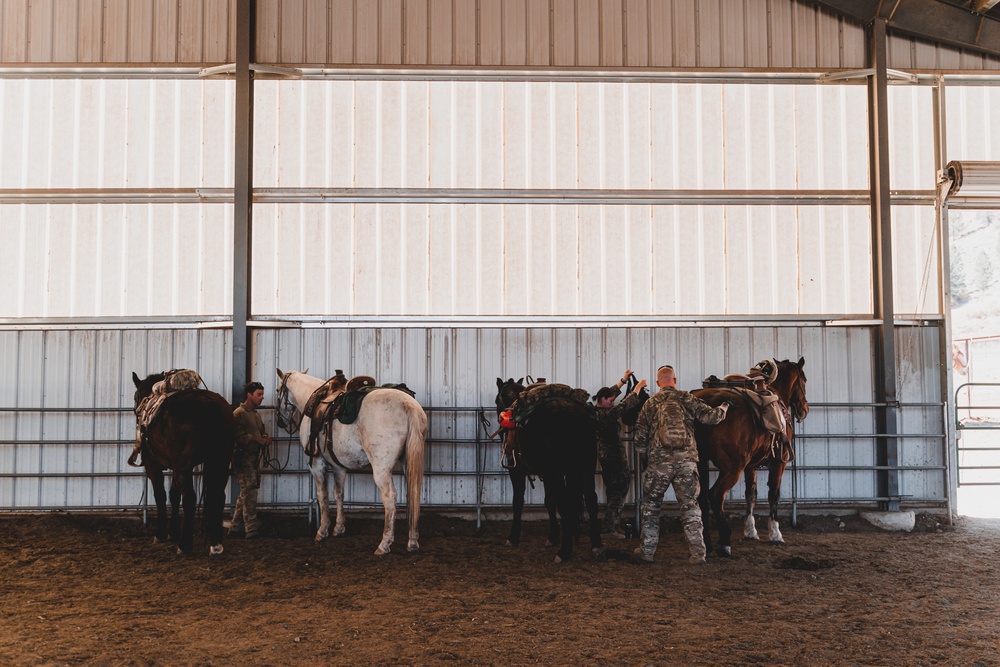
(608, 425)
(665, 429)
(248, 424)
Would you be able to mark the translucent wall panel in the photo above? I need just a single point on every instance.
(101, 260)
(462, 260)
(116, 133)
(559, 135)
(911, 132)
(971, 112)
(916, 262)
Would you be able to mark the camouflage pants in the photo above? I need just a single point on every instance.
(614, 472)
(248, 477)
(684, 478)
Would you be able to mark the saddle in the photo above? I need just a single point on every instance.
(146, 412)
(539, 394)
(339, 399)
(766, 407)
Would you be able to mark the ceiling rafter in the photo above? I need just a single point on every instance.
(934, 20)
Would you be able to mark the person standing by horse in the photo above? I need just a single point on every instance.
(611, 452)
(250, 438)
(664, 433)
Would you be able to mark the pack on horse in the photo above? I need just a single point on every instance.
(558, 444)
(389, 424)
(191, 427)
(741, 444)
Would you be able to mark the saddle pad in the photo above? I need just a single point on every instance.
(350, 404)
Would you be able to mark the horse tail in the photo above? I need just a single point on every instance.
(416, 438)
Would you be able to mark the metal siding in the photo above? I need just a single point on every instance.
(146, 125)
(915, 261)
(560, 135)
(580, 33)
(973, 138)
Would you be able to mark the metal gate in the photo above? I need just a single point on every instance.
(977, 423)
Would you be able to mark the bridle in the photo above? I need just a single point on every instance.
(288, 416)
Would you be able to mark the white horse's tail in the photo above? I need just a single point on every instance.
(415, 438)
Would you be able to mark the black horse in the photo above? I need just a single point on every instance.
(559, 445)
(192, 427)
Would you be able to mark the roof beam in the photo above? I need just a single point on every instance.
(928, 19)
(983, 6)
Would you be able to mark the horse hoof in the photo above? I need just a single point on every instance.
(558, 559)
(215, 550)
(413, 548)
(181, 552)
(751, 538)
(509, 543)
(599, 555)
(725, 552)
(381, 552)
(550, 543)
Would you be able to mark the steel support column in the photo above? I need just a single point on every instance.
(243, 195)
(887, 453)
(944, 247)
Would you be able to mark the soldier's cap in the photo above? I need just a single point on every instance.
(604, 392)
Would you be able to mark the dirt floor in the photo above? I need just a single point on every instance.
(86, 589)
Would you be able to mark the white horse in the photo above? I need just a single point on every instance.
(389, 423)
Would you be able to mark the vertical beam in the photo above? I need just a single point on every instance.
(887, 451)
(944, 248)
(243, 195)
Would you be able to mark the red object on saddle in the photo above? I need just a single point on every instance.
(507, 419)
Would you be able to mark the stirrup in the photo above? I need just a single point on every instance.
(508, 461)
(133, 459)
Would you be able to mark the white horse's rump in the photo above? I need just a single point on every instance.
(389, 424)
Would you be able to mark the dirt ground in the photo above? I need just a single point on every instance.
(95, 590)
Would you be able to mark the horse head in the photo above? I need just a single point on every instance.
(507, 393)
(144, 388)
(791, 386)
(288, 414)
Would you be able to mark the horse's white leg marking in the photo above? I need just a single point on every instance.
(215, 550)
(750, 528)
(339, 481)
(318, 470)
(772, 525)
(383, 479)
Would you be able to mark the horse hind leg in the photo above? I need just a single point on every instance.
(383, 479)
(190, 499)
(749, 523)
(155, 476)
(717, 496)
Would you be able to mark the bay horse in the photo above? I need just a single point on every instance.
(192, 427)
(391, 423)
(739, 445)
(559, 445)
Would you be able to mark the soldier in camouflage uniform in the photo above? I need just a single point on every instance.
(611, 452)
(664, 433)
(250, 437)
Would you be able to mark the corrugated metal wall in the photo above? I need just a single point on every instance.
(487, 33)
(51, 457)
(458, 259)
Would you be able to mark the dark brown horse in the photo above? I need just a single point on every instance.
(559, 445)
(193, 427)
(739, 446)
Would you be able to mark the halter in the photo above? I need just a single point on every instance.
(288, 416)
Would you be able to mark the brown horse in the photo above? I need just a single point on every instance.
(740, 445)
(559, 444)
(192, 427)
